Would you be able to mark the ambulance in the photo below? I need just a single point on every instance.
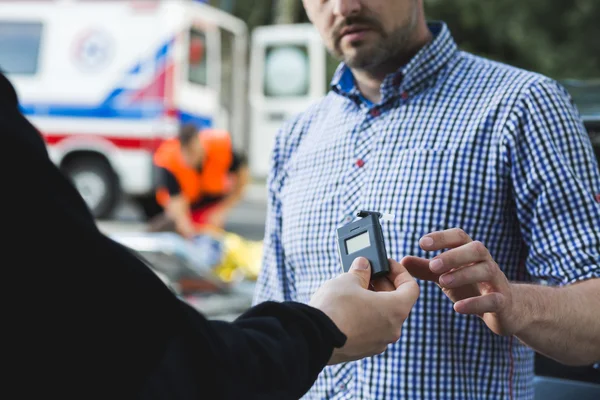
(105, 82)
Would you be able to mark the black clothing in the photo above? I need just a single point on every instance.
(83, 317)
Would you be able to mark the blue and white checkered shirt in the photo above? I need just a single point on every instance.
(456, 141)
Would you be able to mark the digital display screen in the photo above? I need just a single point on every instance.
(357, 243)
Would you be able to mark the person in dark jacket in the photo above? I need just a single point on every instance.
(83, 317)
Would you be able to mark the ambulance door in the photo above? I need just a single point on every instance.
(213, 91)
(197, 94)
(287, 74)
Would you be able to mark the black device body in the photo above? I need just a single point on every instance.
(364, 238)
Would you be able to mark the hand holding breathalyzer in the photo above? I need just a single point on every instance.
(364, 238)
(370, 320)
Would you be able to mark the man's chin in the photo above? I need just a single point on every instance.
(359, 61)
(359, 57)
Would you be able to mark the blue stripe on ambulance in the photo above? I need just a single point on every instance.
(115, 105)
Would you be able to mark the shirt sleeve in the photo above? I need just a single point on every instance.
(167, 180)
(276, 279)
(555, 182)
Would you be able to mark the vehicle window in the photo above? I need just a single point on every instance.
(20, 47)
(586, 95)
(286, 71)
(197, 58)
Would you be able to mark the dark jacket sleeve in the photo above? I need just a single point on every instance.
(274, 351)
(83, 317)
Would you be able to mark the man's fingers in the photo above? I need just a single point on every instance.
(470, 253)
(419, 268)
(486, 271)
(398, 273)
(397, 276)
(404, 297)
(361, 268)
(447, 239)
(383, 284)
(489, 303)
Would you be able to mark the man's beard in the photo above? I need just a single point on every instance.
(389, 46)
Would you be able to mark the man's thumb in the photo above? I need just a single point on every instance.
(362, 268)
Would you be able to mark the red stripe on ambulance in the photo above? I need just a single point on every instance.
(122, 142)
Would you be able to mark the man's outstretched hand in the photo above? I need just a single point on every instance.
(469, 276)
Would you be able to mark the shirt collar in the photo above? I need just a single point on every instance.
(419, 73)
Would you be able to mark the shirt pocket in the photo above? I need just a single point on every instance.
(311, 166)
(415, 185)
(311, 190)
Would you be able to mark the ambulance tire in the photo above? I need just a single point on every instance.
(97, 183)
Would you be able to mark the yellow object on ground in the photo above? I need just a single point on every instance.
(242, 258)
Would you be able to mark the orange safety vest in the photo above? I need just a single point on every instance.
(213, 180)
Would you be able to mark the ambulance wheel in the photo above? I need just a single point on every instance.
(96, 182)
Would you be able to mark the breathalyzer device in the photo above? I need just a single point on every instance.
(364, 238)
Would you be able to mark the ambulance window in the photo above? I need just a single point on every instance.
(19, 47)
(197, 58)
(286, 72)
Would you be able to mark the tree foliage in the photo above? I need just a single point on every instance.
(558, 38)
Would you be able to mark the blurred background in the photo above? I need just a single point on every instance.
(106, 82)
(556, 38)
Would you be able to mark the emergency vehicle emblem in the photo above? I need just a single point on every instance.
(93, 50)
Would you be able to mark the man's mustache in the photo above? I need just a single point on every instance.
(362, 20)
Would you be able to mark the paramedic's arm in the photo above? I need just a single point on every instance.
(178, 208)
(241, 173)
(241, 178)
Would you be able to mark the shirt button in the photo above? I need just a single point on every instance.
(405, 95)
(360, 163)
(598, 197)
(375, 112)
(348, 219)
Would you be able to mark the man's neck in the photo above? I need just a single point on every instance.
(369, 81)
